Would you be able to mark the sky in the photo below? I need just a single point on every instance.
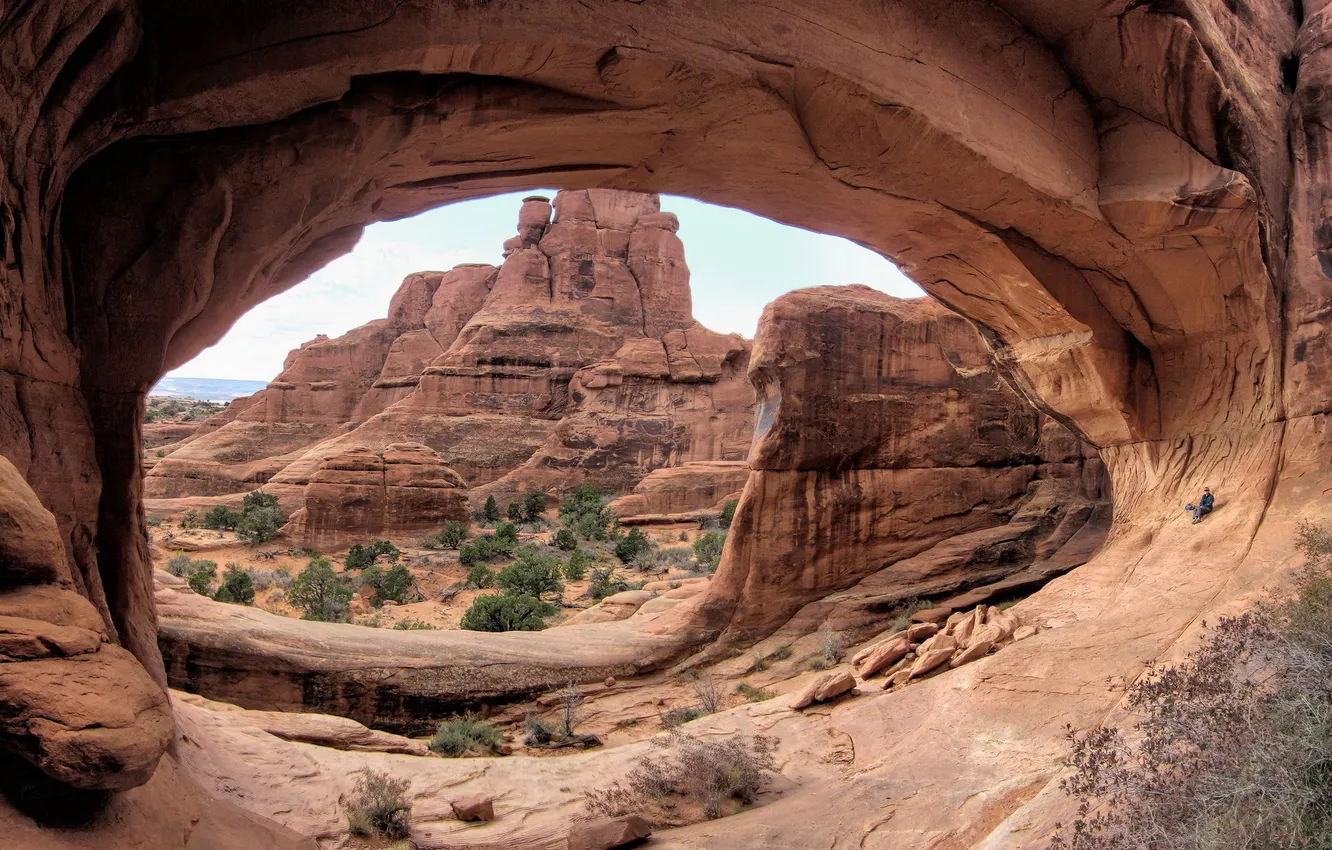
(738, 262)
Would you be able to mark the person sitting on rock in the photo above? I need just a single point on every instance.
(1203, 507)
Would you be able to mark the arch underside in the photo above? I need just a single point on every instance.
(1125, 200)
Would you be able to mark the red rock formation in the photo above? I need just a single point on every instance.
(882, 431)
(404, 490)
(682, 489)
(1129, 202)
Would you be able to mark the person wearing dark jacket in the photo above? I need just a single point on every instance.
(1203, 507)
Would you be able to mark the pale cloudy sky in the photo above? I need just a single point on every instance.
(738, 262)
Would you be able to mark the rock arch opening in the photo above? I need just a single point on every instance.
(1140, 248)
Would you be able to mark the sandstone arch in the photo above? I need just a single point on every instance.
(1128, 200)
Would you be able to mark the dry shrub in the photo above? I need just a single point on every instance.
(378, 806)
(711, 697)
(1232, 749)
(689, 779)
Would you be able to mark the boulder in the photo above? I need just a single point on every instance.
(884, 654)
(933, 616)
(932, 654)
(609, 833)
(840, 683)
(31, 551)
(475, 807)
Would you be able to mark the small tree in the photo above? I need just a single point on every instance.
(453, 535)
(190, 519)
(507, 613)
(259, 525)
(221, 518)
(506, 532)
(201, 577)
(514, 512)
(532, 574)
(237, 586)
(604, 581)
(319, 591)
(534, 505)
(708, 550)
(632, 545)
(257, 499)
(491, 511)
(390, 585)
(728, 513)
(480, 576)
(566, 540)
(576, 568)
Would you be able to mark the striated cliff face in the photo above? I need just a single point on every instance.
(576, 359)
(883, 430)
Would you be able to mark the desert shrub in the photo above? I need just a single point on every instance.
(532, 574)
(566, 540)
(832, 649)
(715, 777)
(680, 715)
(514, 512)
(480, 576)
(237, 586)
(221, 518)
(676, 556)
(708, 550)
(506, 532)
(320, 592)
(584, 513)
(538, 732)
(487, 548)
(727, 513)
(490, 512)
(605, 582)
(179, 565)
(359, 557)
(391, 585)
(632, 545)
(570, 702)
(534, 505)
(709, 693)
(453, 535)
(1230, 748)
(576, 567)
(413, 626)
(781, 653)
(378, 806)
(264, 579)
(466, 734)
(506, 613)
(257, 500)
(259, 525)
(190, 519)
(154, 521)
(753, 694)
(201, 576)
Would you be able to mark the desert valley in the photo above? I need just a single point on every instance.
(535, 559)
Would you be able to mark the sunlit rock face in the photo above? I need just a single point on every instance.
(1127, 201)
(883, 429)
(576, 359)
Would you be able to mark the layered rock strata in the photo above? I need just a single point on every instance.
(883, 431)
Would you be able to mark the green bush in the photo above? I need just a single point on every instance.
(237, 587)
(605, 582)
(506, 532)
(514, 512)
(566, 540)
(412, 626)
(633, 545)
(190, 519)
(480, 576)
(491, 511)
(378, 806)
(534, 505)
(708, 550)
(320, 592)
(532, 574)
(221, 518)
(453, 535)
(507, 613)
(154, 521)
(538, 732)
(753, 694)
(258, 500)
(359, 557)
(259, 525)
(201, 577)
(583, 513)
(391, 585)
(576, 568)
(487, 548)
(179, 566)
(466, 734)
(728, 513)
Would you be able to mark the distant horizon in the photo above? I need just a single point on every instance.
(739, 262)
